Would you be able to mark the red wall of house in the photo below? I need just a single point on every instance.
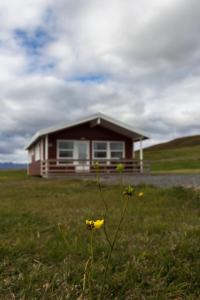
(85, 132)
(34, 168)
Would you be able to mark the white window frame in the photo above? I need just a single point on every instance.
(59, 159)
(106, 150)
(75, 152)
(108, 156)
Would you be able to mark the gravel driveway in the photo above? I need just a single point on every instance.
(165, 180)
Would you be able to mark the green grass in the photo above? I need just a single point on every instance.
(44, 242)
(6, 175)
(176, 165)
(185, 153)
(177, 156)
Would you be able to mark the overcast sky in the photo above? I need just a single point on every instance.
(135, 60)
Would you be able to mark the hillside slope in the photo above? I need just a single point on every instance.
(189, 141)
(182, 154)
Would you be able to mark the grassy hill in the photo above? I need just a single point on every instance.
(45, 244)
(179, 155)
(188, 141)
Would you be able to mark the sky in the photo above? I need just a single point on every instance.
(136, 60)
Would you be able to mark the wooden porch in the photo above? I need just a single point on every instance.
(87, 167)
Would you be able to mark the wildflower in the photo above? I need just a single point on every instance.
(98, 224)
(128, 191)
(91, 224)
(120, 168)
(141, 194)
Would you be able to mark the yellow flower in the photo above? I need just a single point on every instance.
(91, 224)
(98, 224)
(141, 194)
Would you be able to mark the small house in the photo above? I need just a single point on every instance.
(75, 147)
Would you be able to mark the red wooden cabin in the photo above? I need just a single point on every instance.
(73, 148)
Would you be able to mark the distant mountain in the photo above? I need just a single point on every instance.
(12, 166)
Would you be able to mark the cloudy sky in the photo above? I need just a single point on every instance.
(135, 60)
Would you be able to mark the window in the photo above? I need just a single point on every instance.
(108, 150)
(65, 150)
(100, 150)
(116, 150)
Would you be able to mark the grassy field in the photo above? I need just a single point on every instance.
(45, 244)
(178, 156)
(175, 160)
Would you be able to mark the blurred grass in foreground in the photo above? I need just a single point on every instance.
(44, 242)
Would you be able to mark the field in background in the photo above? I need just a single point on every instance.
(178, 156)
(44, 242)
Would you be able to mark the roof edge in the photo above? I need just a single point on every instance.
(59, 127)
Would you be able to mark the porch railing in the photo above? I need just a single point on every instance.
(53, 167)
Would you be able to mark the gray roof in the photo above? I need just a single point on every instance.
(106, 121)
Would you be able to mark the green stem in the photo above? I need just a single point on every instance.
(112, 247)
(85, 274)
(121, 183)
(105, 206)
(91, 246)
(91, 264)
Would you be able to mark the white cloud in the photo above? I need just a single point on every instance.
(137, 60)
(25, 14)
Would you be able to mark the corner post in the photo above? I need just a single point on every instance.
(141, 157)
(133, 149)
(28, 162)
(46, 154)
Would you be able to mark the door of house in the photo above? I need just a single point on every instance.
(82, 149)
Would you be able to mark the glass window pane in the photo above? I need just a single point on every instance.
(116, 154)
(100, 146)
(116, 146)
(66, 154)
(66, 145)
(82, 151)
(101, 154)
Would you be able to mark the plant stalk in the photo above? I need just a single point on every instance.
(112, 247)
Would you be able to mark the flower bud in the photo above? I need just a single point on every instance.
(128, 191)
(120, 168)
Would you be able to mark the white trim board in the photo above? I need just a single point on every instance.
(128, 130)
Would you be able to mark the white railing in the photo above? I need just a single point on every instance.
(87, 166)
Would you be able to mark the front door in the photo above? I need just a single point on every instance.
(82, 155)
